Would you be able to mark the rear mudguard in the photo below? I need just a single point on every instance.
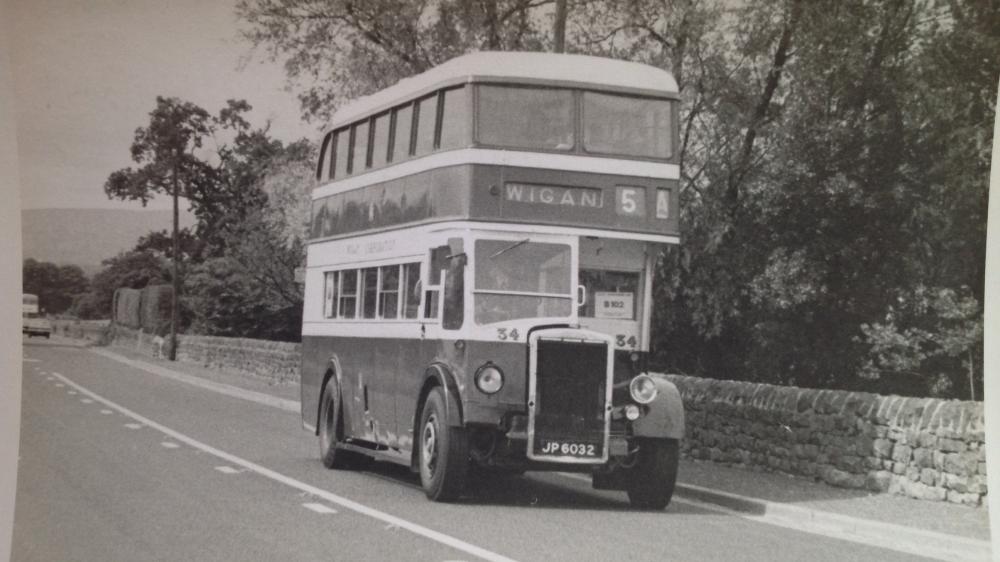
(665, 415)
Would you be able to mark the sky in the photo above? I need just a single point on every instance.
(87, 73)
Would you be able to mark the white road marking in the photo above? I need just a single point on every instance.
(228, 390)
(169, 445)
(86, 401)
(414, 528)
(133, 425)
(319, 508)
(49, 379)
(106, 412)
(31, 360)
(227, 470)
(60, 385)
(72, 392)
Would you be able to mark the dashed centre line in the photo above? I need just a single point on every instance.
(320, 493)
(319, 508)
(106, 412)
(169, 445)
(86, 401)
(227, 470)
(133, 425)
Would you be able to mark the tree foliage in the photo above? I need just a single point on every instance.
(215, 161)
(243, 243)
(335, 50)
(251, 291)
(56, 286)
(834, 162)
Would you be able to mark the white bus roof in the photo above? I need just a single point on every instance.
(580, 70)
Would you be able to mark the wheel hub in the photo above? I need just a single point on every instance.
(429, 440)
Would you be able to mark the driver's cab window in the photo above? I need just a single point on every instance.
(610, 294)
(611, 289)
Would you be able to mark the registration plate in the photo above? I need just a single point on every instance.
(569, 449)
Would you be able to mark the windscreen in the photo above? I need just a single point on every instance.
(522, 279)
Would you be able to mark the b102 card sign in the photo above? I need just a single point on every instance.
(618, 306)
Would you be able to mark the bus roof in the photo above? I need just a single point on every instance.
(495, 66)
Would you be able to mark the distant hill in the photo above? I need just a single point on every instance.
(84, 237)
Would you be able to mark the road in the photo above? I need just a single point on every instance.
(120, 464)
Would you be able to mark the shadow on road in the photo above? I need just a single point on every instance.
(525, 492)
(54, 341)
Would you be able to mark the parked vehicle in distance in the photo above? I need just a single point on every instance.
(478, 289)
(34, 324)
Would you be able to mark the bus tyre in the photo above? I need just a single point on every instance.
(443, 453)
(651, 481)
(330, 427)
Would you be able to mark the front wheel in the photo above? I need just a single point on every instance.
(444, 452)
(651, 481)
(331, 430)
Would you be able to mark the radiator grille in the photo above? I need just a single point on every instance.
(569, 403)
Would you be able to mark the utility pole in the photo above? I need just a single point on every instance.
(176, 274)
(559, 28)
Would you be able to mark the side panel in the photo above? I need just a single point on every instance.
(360, 357)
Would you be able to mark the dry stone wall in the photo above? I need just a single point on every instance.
(276, 362)
(918, 447)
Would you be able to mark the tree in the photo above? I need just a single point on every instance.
(161, 243)
(342, 49)
(56, 286)
(264, 250)
(222, 185)
(217, 183)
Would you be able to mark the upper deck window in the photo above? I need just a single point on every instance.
(402, 133)
(341, 142)
(627, 126)
(526, 117)
(426, 121)
(359, 150)
(454, 119)
(380, 140)
(325, 157)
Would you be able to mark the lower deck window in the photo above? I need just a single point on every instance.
(386, 292)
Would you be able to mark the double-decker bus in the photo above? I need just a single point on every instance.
(479, 274)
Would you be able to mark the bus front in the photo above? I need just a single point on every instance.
(572, 217)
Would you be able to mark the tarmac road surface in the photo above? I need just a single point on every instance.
(119, 464)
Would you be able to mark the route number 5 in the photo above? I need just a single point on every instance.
(631, 201)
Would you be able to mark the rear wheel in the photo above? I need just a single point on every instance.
(331, 430)
(443, 453)
(651, 481)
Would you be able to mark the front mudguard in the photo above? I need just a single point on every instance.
(442, 376)
(665, 414)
